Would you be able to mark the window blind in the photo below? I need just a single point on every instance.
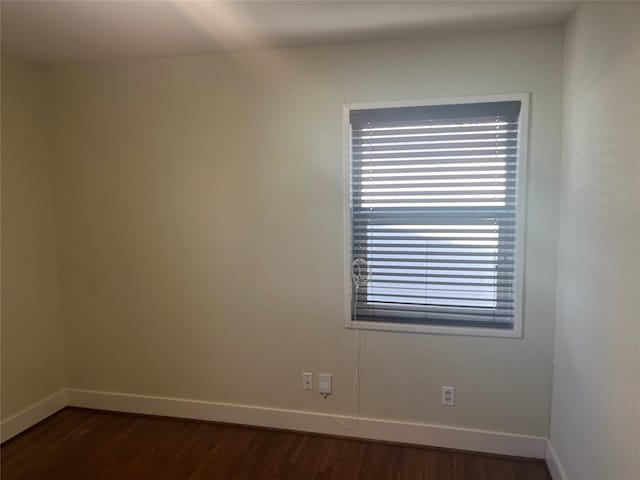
(433, 213)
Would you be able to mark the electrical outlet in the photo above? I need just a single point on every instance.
(307, 381)
(448, 396)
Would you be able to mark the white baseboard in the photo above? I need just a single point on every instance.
(554, 464)
(367, 428)
(28, 417)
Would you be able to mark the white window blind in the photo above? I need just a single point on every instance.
(433, 212)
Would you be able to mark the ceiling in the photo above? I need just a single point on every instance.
(62, 31)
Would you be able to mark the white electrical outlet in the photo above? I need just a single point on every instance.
(307, 381)
(448, 396)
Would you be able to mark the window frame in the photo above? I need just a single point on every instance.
(520, 248)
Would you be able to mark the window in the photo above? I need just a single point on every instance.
(436, 215)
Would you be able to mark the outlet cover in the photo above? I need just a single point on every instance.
(448, 396)
(307, 381)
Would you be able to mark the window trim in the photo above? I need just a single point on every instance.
(520, 248)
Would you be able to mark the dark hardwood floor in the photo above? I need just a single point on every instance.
(84, 444)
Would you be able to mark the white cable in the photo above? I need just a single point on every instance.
(360, 277)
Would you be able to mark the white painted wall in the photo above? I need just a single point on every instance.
(200, 228)
(596, 396)
(32, 353)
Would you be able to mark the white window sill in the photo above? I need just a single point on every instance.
(514, 332)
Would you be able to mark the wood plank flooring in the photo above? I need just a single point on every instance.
(92, 445)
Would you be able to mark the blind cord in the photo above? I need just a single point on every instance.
(360, 278)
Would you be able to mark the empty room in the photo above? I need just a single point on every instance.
(318, 240)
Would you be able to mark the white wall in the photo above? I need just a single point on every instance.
(596, 396)
(200, 228)
(32, 355)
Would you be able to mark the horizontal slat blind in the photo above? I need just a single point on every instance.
(433, 210)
